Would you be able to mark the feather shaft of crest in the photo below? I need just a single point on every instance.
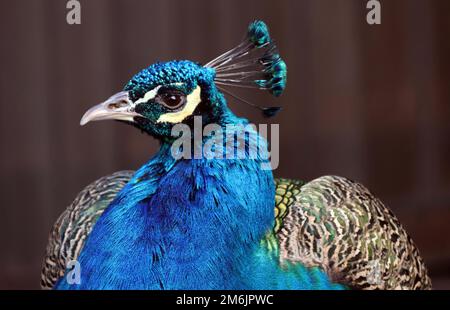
(241, 74)
(229, 80)
(239, 54)
(213, 63)
(238, 98)
(241, 85)
(267, 111)
(239, 65)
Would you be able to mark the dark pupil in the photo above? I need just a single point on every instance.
(172, 100)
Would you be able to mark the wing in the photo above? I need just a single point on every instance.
(68, 234)
(338, 225)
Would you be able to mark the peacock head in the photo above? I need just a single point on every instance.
(174, 92)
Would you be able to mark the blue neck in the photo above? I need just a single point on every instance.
(189, 223)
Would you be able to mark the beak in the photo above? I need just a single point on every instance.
(117, 107)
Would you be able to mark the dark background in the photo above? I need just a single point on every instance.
(367, 102)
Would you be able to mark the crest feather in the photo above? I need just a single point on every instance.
(254, 63)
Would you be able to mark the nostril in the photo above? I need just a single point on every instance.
(113, 106)
(117, 105)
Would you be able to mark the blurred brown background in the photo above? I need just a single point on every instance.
(367, 102)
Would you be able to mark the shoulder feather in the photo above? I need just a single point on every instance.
(68, 234)
(338, 225)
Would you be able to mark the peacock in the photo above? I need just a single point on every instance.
(184, 221)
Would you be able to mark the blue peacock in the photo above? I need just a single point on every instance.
(214, 223)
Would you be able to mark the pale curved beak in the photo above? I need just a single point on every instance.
(117, 107)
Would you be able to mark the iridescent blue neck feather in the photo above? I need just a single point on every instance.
(190, 224)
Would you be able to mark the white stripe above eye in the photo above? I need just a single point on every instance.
(151, 94)
(148, 95)
(193, 100)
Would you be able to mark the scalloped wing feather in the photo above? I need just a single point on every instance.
(339, 226)
(69, 233)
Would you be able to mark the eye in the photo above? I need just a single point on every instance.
(171, 98)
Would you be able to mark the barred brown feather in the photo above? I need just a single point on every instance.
(331, 222)
(339, 226)
(75, 223)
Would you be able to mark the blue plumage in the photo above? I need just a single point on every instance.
(192, 223)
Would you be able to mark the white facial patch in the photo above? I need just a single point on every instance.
(148, 96)
(193, 100)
